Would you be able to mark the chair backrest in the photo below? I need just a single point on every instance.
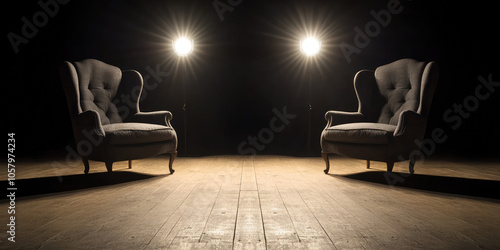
(94, 84)
(402, 85)
(399, 84)
(405, 84)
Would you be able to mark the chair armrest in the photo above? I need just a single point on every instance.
(340, 117)
(89, 120)
(154, 117)
(411, 124)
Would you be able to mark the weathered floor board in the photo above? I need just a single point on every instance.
(262, 202)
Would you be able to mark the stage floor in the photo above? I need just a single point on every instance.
(273, 202)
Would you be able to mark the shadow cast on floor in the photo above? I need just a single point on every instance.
(442, 184)
(54, 184)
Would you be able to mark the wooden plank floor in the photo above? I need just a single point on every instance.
(265, 202)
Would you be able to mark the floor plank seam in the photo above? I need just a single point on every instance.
(211, 210)
(238, 207)
(260, 204)
(320, 187)
(159, 229)
(288, 212)
(315, 217)
(236, 220)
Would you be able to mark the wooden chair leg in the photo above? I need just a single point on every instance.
(86, 164)
(171, 162)
(390, 165)
(412, 166)
(130, 164)
(367, 164)
(327, 161)
(109, 166)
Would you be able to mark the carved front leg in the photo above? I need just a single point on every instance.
(390, 165)
(171, 162)
(109, 166)
(86, 164)
(412, 165)
(325, 157)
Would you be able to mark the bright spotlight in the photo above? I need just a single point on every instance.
(310, 46)
(183, 46)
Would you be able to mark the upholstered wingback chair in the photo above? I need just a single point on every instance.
(107, 123)
(393, 107)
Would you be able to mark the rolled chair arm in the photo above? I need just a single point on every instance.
(340, 117)
(410, 124)
(154, 117)
(89, 120)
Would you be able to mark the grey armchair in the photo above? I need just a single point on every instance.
(393, 108)
(94, 92)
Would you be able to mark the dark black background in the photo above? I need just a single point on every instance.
(244, 66)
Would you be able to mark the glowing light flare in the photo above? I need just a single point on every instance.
(183, 46)
(310, 46)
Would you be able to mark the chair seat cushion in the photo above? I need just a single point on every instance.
(361, 132)
(137, 133)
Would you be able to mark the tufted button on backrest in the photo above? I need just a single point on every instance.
(98, 84)
(399, 84)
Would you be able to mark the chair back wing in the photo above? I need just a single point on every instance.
(399, 84)
(429, 83)
(69, 80)
(98, 83)
(370, 100)
(129, 94)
